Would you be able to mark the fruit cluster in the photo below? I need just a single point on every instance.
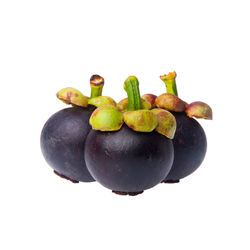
(128, 146)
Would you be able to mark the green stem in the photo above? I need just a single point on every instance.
(170, 83)
(96, 83)
(131, 86)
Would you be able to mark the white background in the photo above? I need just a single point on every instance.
(48, 45)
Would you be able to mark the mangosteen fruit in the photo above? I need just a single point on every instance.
(190, 146)
(62, 143)
(63, 135)
(190, 143)
(132, 151)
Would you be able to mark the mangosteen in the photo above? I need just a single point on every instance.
(190, 143)
(63, 135)
(132, 151)
(62, 143)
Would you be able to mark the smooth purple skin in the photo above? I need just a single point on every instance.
(63, 141)
(128, 161)
(190, 145)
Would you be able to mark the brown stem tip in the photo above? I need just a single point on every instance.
(96, 80)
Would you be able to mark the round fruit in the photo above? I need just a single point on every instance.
(190, 145)
(62, 142)
(127, 161)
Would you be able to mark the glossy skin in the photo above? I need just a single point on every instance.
(190, 145)
(126, 161)
(62, 143)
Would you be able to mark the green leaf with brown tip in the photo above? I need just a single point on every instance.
(72, 96)
(199, 110)
(106, 118)
(101, 100)
(170, 102)
(123, 105)
(150, 98)
(166, 123)
(141, 120)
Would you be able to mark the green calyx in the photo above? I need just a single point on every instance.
(170, 102)
(136, 118)
(199, 110)
(106, 118)
(76, 98)
(166, 123)
(130, 111)
(170, 83)
(141, 120)
(72, 96)
(102, 100)
(123, 105)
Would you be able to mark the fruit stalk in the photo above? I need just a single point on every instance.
(170, 83)
(131, 86)
(96, 83)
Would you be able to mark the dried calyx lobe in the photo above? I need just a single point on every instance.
(189, 141)
(128, 161)
(64, 134)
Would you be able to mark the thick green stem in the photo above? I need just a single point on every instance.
(170, 83)
(131, 86)
(96, 83)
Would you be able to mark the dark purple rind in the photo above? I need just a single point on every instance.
(63, 140)
(190, 145)
(127, 161)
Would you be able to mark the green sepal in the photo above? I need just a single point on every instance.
(72, 96)
(106, 118)
(166, 123)
(101, 100)
(199, 110)
(170, 102)
(141, 120)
